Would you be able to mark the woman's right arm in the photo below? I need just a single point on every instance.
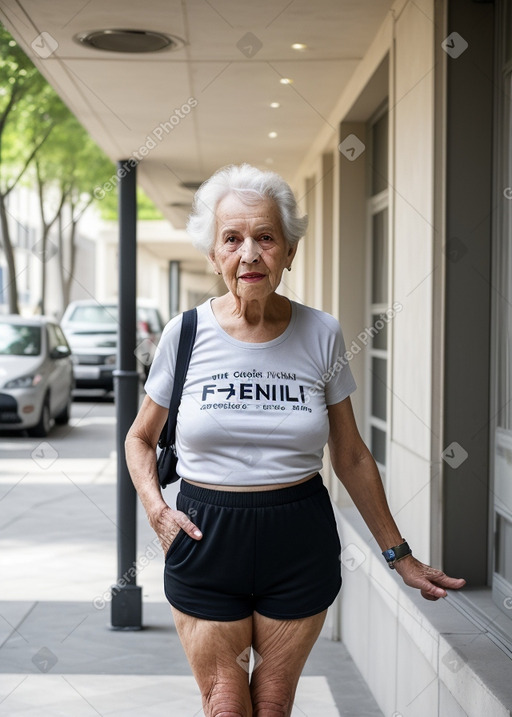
(140, 448)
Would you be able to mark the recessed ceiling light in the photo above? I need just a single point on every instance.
(128, 40)
(286, 81)
(299, 46)
(275, 105)
(272, 135)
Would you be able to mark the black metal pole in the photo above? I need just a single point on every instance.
(126, 612)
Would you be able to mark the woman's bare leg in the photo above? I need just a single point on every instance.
(216, 652)
(283, 646)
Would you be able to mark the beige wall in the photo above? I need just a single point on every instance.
(381, 645)
(402, 644)
(331, 269)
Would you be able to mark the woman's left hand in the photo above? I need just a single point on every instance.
(431, 582)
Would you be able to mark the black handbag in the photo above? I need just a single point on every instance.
(168, 458)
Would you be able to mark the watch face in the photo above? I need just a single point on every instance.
(389, 554)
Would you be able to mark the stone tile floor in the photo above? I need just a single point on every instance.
(58, 655)
(62, 658)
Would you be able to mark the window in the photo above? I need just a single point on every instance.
(19, 340)
(95, 314)
(378, 289)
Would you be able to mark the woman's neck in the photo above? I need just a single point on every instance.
(255, 321)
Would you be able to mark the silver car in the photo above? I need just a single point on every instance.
(92, 327)
(36, 374)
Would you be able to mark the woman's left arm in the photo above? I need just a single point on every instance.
(355, 467)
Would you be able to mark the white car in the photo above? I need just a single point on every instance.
(36, 374)
(92, 327)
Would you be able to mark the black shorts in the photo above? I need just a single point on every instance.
(276, 552)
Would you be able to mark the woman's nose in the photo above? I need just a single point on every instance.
(249, 250)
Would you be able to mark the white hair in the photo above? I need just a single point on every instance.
(251, 185)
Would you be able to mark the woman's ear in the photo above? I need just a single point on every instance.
(211, 259)
(292, 251)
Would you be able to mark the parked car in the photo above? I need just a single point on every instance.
(36, 374)
(92, 327)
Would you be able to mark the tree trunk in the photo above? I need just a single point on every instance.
(68, 275)
(44, 254)
(12, 286)
(72, 258)
(43, 258)
(67, 255)
(64, 295)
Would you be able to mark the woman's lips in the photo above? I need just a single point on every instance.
(252, 276)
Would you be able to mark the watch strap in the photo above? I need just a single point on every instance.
(392, 555)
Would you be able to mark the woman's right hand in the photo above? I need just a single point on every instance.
(167, 524)
(141, 442)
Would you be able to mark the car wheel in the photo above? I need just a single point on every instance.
(41, 429)
(63, 417)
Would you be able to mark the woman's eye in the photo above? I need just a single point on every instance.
(266, 237)
(231, 240)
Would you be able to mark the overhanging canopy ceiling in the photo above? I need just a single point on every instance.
(207, 104)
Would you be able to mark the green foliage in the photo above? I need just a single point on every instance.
(68, 160)
(37, 130)
(23, 98)
(146, 210)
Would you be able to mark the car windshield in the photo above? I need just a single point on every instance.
(96, 314)
(19, 340)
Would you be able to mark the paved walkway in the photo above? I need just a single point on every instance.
(58, 654)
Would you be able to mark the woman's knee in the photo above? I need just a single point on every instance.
(223, 699)
(272, 698)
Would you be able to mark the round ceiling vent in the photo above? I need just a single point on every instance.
(129, 40)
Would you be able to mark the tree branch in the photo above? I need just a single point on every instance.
(27, 162)
(8, 107)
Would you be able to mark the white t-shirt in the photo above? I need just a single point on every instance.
(254, 413)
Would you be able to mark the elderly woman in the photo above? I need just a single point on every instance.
(252, 554)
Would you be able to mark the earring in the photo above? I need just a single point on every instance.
(289, 268)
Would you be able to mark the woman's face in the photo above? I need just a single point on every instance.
(250, 249)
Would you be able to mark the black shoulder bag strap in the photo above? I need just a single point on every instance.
(186, 344)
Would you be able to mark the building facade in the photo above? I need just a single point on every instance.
(409, 246)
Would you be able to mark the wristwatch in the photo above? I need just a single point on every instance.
(397, 553)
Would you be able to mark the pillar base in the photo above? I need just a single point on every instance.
(126, 609)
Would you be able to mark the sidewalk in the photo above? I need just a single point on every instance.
(58, 654)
